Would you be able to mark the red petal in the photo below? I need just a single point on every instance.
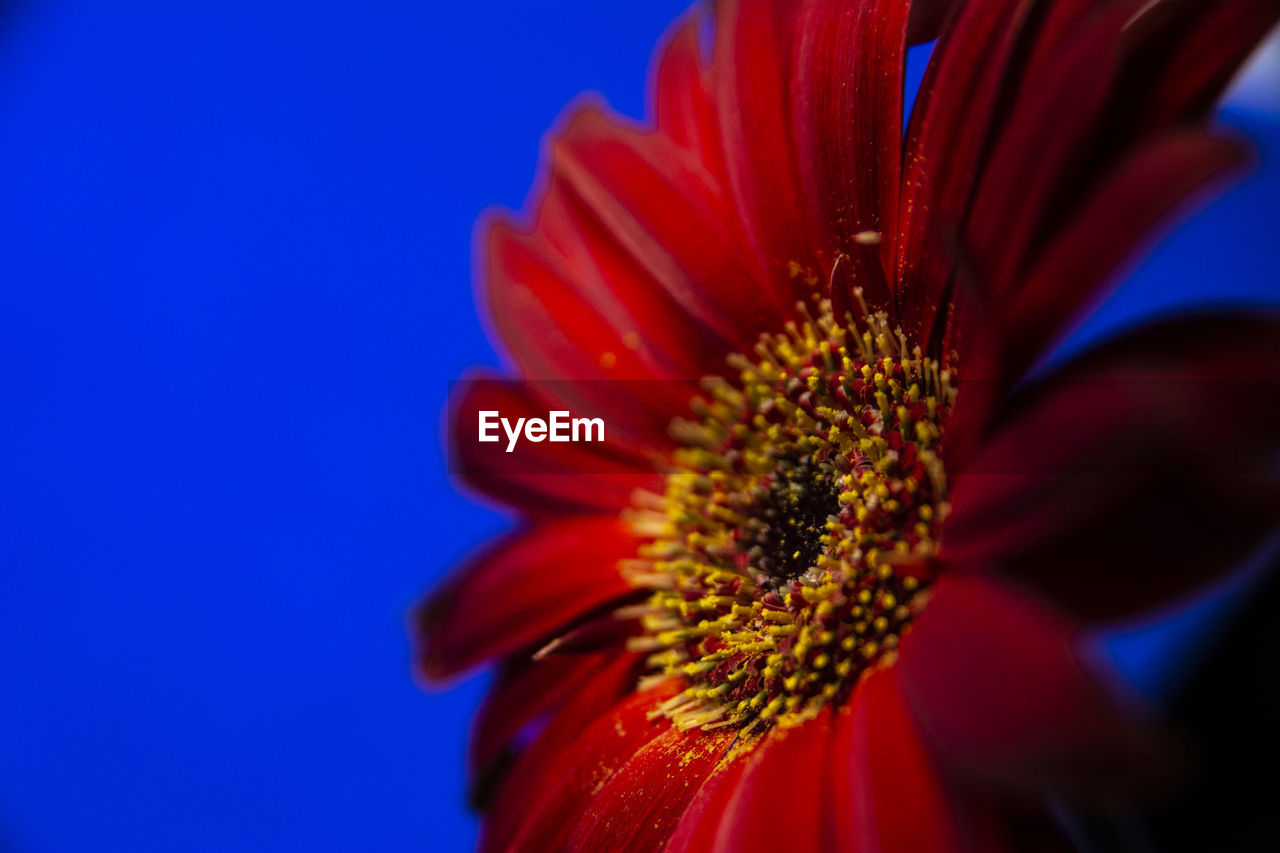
(1183, 56)
(887, 790)
(750, 73)
(559, 322)
(586, 763)
(548, 478)
(672, 230)
(927, 18)
(572, 323)
(523, 589)
(1031, 115)
(846, 94)
(947, 143)
(644, 800)
(683, 107)
(1136, 473)
(1066, 20)
(692, 239)
(699, 826)
(569, 304)
(535, 775)
(604, 632)
(776, 801)
(526, 690)
(999, 694)
(1140, 195)
(1105, 91)
(1038, 153)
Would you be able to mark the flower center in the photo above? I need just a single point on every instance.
(792, 546)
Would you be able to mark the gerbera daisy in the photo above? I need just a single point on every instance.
(820, 586)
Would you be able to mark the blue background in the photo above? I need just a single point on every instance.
(235, 245)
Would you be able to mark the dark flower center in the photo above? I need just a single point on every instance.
(793, 544)
(784, 534)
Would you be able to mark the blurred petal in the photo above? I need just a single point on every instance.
(521, 590)
(547, 478)
(1002, 699)
(558, 321)
(659, 221)
(1041, 149)
(1101, 145)
(524, 691)
(927, 18)
(1183, 56)
(684, 110)
(1040, 119)
(1084, 253)
(888, 793)
(1138, 472)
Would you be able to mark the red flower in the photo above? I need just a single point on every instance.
(841, 614)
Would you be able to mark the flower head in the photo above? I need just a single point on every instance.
(819, 586)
